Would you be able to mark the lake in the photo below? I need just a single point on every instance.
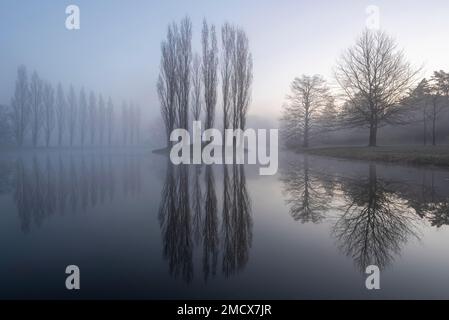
(138, 227)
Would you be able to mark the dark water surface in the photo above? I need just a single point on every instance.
(138, 227)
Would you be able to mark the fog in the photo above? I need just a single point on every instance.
(116, 52)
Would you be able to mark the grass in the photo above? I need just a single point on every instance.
(414, 155)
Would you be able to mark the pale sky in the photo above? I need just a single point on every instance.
(117, 50)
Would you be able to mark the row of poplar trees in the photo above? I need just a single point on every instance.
(188, 82)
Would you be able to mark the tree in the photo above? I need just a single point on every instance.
(101, 118)
(137, 123)
(209, 70)
(20, 105)
(92, 117)
(5, 125)
(72, 114)
(374, 76)
(242, 77)
(83, 115)
(227, 43)
(49, 110)
(420, 98)
(183, 69)
(36, 92)
(439, 90)
(196, 88)
(308, 98)
(125, 119)
(166, 85)
(60, 113)
(110, 120)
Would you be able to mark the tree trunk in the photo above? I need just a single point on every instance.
(305, 143)
(373, 134)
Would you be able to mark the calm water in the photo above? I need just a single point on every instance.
(140, 228)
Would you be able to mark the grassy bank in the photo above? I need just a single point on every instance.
(415, 155)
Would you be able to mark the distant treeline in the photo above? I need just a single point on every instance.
(41, 115)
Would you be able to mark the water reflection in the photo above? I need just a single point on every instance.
(237, 222)
(375, 223)
(43, 186)
(175, 220)
(190, 219)
(307, 194)
(372, 217)
(205, 212)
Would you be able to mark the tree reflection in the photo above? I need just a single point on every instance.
(47, 185)
(307, 194)
(375, 216)
(210, 229)
(237, 221)
(197, 205)
(436, 208)
(376, 222)
(174, 217)
(6, 176)
(179, 230)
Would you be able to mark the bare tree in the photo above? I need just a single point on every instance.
(110, 120)
(20, 105)
(196, 88)
(92, 117)
(209, 69)
(374, 77)
(72, 114)
(83, 116)
(36, 92)
(228, 48)
(242, 78)
(49, 109)
(166, 85)
(60, 113)
(183, 69)
(308, 98)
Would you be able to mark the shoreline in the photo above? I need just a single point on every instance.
(408, 155)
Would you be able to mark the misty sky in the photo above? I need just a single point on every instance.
(117, 50)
